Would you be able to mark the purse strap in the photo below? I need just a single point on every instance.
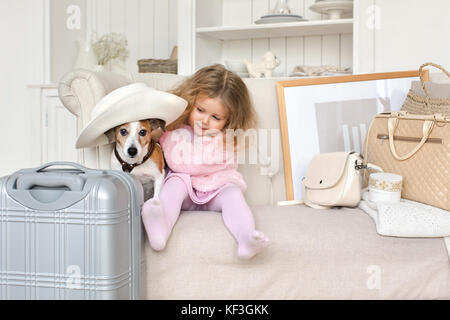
(427, 127)
(427, 95)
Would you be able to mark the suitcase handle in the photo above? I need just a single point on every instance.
(61, 163)
(73, 182)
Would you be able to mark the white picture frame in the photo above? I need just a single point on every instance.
(331, 114)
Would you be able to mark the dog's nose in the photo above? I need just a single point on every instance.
(132, 151)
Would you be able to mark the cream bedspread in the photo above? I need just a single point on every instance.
(314, 254)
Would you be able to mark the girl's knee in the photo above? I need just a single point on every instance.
(173, 189)
(231, 193)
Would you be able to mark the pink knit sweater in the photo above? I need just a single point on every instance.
(205, 159)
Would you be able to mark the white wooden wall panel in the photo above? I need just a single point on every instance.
(209, 13)
(150, 26)
(313, 50)
(146, 28)
(278, 47)
(117, 16)
(59, 130)
(101, 24)
(161, 19)
(294, 46)
(311, 15)
(405, 40)
(259, 47)
(238, 50)
(363, 29)
(132, 32)
(173, 24)
(237, 12)
(187, 16)
(259, 8)
(346, 50)
(330, 52)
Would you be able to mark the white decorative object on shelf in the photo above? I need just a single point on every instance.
(279, 18)
(281, 7)
(265, 67)
(112, 52)
(86, 58)
(333, 8)
(279, 14)
(316, 71)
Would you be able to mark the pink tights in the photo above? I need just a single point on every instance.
(160, 215)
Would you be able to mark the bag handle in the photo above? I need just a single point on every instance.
(427, 95)
(392, 126)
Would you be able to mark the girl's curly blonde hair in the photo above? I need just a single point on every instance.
(216, 81)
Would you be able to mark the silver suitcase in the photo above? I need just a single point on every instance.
(70, 233)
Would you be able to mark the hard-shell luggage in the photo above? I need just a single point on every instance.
(70, 233)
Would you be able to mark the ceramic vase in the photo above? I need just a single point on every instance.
(86, 58)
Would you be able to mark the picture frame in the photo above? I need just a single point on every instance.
(331, 114)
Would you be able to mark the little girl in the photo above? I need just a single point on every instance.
(203, 167)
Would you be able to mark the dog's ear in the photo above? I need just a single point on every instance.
(111, 135)
(157, 123)
(158, 126)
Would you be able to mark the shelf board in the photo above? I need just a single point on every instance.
(287, 29)
(43, 85)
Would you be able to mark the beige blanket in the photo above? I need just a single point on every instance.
(314, 254)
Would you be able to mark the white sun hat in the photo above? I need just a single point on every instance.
(129, 103)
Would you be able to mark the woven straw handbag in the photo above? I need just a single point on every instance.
(419, 104)
(417, 147)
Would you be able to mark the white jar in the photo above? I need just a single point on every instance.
(385, 187)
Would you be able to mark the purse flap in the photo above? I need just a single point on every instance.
(325, 170)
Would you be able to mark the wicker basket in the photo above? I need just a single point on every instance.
(157, 65)
(160, 65)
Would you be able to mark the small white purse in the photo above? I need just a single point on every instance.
(332, 180)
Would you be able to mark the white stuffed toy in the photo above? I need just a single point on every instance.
(266, 66)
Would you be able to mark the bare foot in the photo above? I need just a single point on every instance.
(256, 242)
(155, 224)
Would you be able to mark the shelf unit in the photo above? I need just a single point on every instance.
(213, 31)
(273, 30)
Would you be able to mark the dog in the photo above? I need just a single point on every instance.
(266, 66)
(137, 152)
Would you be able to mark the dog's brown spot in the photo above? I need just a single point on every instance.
(145, 125)
(120, 139)
(158, 157)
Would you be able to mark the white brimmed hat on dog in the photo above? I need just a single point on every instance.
(129, 103)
